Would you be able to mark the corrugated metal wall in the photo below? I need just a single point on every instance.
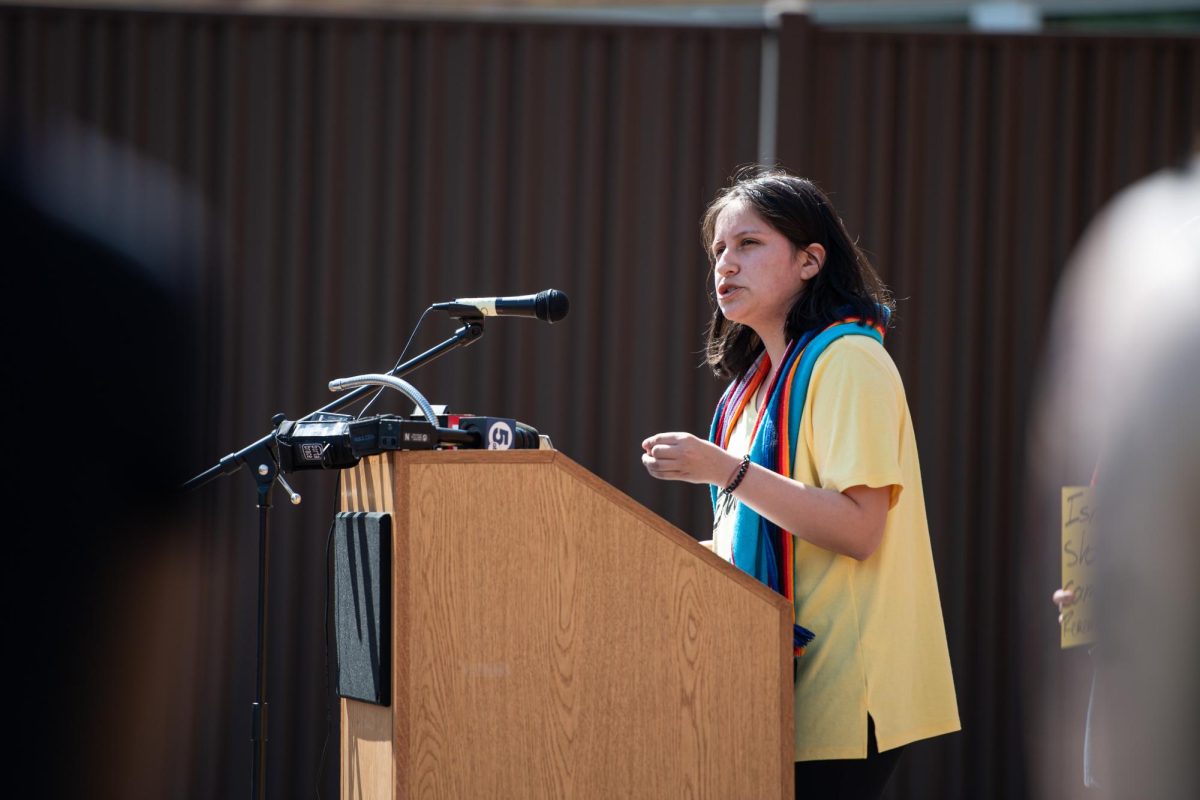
(970, 165)
(358, 169)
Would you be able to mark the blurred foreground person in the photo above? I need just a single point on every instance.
(1125, 398)
(103, 575)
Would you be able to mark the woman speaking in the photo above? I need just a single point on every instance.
(816, 485)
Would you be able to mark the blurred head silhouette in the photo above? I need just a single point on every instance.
(1124, 398)
(101, 357)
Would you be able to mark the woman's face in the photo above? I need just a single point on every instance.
(757, 271)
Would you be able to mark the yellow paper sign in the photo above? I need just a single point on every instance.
(1078, 555)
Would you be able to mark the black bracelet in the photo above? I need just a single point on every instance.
(743, 468)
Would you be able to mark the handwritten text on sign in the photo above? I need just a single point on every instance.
(1078, 556)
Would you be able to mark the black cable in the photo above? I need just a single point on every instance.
(399, 360)
(337, 485)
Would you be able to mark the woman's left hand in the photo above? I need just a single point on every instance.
(684, 457)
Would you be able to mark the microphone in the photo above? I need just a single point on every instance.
(548, 306)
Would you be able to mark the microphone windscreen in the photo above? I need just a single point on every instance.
(551, 305)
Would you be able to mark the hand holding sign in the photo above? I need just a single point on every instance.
(1078, 555)
(1062, 598)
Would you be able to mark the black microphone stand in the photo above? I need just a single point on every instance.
(262, 454)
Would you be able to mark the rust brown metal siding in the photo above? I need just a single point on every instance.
(969, 165)
(357, 170)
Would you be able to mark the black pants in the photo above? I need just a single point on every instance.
(848, 779)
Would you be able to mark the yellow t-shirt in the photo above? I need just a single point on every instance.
(880, 646)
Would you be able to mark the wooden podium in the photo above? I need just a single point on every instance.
(553, 638)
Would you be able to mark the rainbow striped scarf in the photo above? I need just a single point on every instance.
(760, 547)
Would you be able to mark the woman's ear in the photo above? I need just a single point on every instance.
(813, 259)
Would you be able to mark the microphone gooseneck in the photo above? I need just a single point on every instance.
(399, 384)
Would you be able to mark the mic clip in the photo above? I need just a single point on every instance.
(462, 311)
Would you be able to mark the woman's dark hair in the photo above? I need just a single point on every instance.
(846, 285)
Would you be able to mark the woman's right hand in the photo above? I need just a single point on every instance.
(685, 457)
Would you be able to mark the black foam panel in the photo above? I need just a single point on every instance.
(362, 599)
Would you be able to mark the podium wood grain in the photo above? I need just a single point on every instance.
(369, 733)
(555, 639)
